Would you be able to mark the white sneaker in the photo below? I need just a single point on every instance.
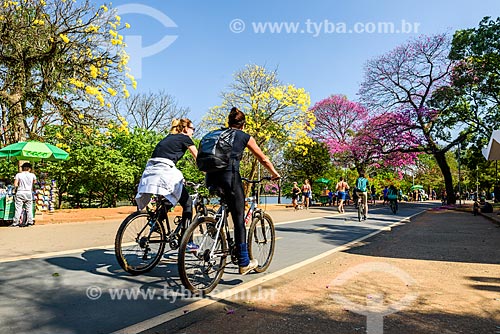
(251, 266)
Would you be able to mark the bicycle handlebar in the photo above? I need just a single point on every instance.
(265, 178)
(194, 185)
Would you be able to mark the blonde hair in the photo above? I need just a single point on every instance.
(179, 124)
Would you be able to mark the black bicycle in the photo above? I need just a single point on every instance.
(142, 236)
(361, 206)
(393, 203)
(201, 270)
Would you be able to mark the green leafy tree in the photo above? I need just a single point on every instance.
(97, 173)
(312, 165)
(476, 76)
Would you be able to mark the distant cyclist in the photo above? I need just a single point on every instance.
(392, 195)
(362, 190)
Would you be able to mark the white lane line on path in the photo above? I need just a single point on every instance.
(51, 254)
(226, 294)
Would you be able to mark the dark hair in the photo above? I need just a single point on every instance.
(361, 174)
(236, 118)
(26, 166)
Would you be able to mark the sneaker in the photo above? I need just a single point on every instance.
(14, 225)
(251, 266)
(192, 247)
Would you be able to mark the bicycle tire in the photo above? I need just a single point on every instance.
(393, 207)
(262, 241)
(199, 273)
(360, 211)
(210, 213)
(132, 244)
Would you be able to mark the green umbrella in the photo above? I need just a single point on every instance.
(417, 186)
(34, 151)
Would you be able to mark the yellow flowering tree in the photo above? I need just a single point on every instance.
(60, 62)
(276, 114)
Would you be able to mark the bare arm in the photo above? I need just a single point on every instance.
(193, 150)
(263, 159)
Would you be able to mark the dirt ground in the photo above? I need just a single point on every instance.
(439, 273)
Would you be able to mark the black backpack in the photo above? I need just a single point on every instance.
(214, 152)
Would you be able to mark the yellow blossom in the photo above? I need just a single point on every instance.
(111, 91)
(64, 38)
(81, 116)
(93, 71)
(76, 82)
(91, 90)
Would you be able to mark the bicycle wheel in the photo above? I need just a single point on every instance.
(201, 270)
(394, 209)
(210, 213)
(261, 241)
(138, 247)
(360, 211)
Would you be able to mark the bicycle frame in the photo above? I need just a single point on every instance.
(252, 212)
(160, 215)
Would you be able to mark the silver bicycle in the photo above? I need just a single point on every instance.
(201, 270)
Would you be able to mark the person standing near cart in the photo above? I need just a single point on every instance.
(24, 195)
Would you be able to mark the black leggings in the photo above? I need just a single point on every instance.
(234, 196)
(187, 205)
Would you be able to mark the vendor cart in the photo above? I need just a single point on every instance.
(8, 208)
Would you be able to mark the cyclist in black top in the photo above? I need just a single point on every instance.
(161, 176)
(230, 182)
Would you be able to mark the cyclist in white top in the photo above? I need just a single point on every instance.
(24, 195)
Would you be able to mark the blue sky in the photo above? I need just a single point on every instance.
(205, 43)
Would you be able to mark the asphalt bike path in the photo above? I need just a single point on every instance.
(87, 292)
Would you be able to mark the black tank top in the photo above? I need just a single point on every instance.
(240, 142)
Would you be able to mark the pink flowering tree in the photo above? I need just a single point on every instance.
(356, 138)
(400, 86)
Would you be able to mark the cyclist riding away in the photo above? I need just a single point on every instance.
(161, 176)
(361, 190)
(229, 181)
(392, 196)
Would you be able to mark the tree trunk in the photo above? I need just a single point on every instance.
(16, 129)
(448, 180)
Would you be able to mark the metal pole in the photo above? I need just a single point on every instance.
(477, 180)
(459, 190)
